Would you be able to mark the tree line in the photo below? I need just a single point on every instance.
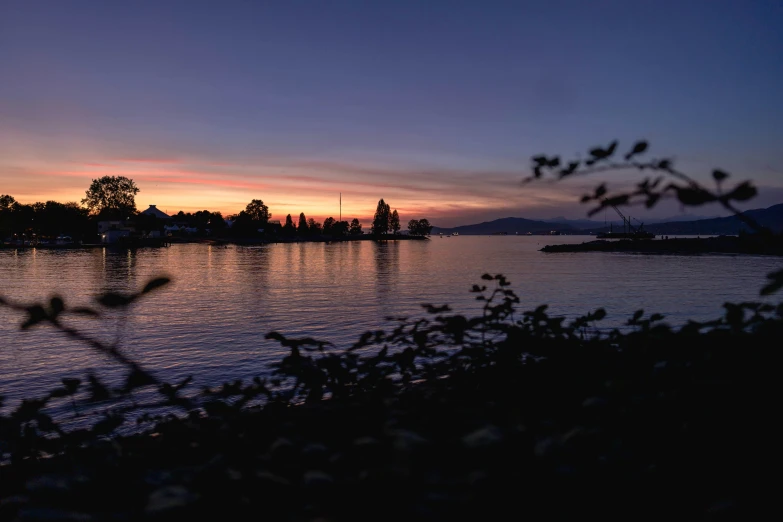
(112, 198)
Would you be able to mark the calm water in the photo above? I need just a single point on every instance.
(210, 322)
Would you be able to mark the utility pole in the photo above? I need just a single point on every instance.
(341, 206)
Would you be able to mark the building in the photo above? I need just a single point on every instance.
(154, 212)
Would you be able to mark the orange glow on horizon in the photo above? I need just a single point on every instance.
(287, 188)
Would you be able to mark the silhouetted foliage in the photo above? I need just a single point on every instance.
(504, 402)
(394, 222)
(112, 197)
(419, 227)
(328, 224)
(303, 229)
(380, 222)
(42, 220)
(289, 229)
(313, 227)
(356, 227)
(257, 211)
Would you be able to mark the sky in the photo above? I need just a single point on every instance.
(435, 106)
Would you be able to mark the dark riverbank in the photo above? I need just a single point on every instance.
(709, 245)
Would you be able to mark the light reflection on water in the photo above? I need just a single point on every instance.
(212, 320)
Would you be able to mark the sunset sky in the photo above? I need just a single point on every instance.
(435, 106)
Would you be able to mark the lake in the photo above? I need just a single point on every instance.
(211, 321)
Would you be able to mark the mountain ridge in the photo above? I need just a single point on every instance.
(770, 217)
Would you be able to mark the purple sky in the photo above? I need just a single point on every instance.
(435, 106)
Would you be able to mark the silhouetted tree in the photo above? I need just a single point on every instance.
(258, 211)
(380, 222)
(419, 227)
(6, 202)
(356, 228)
(328, 224)
(394, 222)
(289, 229)
(114, 196)
(303, 229)
(313, 227)
(340, 228)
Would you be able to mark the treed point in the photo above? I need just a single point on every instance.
(111, 200)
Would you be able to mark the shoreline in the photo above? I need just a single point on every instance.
(160, 243)
(682, 246)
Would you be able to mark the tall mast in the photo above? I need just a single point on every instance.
(341, 206)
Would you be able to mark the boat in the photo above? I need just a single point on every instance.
(455, 233)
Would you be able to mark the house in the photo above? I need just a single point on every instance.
(154, 212)
(113, 236)
(111, 231)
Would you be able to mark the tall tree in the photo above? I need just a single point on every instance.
(328, 225)
(303, 230)
(380, 222)
(289, 229)
(112, 194)
(394, 222)
(356, 228)
(258, 211)
(313, 227)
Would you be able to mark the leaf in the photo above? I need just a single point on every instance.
(742, 192)
(114, 300)
(108, 425)
(652, 199)
(638, 148)
(540, 161)
(155, 283)
(692, 196)
(719, 175)
(138, 378)
(56, 305)
(775, 284)
(71, 385)
(36, 314)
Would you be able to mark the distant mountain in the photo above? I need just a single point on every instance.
(684, 224)
(771, 218)
(682, 217)
(509, 225)
(580, 224)
(589, 224)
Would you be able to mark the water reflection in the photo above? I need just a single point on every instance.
(212, 321)
(386, 255)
